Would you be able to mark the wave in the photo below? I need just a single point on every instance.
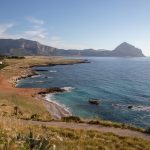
(36, 76)
(41, 76)
(68, 89)
(52, 71)
(66, 112)
(49, 77)
(38, 82)
(142, 108)
(134, 108)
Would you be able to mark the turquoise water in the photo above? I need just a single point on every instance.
(117, 82)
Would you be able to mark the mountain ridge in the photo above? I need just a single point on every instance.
(24, 47)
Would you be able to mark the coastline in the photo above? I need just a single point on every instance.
(28, 99)
(56, 110)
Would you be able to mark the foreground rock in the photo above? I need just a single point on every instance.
(94, 101)
(51, 90)
(130, 107)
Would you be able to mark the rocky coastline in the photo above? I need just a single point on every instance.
(56, 110)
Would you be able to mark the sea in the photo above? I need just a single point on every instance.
(116, 82)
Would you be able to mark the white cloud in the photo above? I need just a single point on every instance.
(4, 29)
(35, 20)
(36, 33)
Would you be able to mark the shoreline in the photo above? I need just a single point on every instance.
(56, 109)
(33, 100)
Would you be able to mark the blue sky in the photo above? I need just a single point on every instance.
(78, 24)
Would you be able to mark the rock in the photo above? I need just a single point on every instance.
(94, 101)
(130, 107)
(51, 90)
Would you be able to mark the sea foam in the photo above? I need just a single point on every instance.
(50, 98)
(142, 108)
(52, 71)
(134, 108)
(68, 89)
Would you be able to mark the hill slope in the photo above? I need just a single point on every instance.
(27, 47)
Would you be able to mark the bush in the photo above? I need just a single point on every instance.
(15, 57)
(35, 117)
(71, 119)
(147, 130)
(39, 143)
(3, 105)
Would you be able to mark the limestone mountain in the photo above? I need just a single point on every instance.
(126, 49)
(22, 47)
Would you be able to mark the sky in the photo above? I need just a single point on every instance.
(78, 24)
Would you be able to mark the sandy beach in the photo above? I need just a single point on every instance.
(56, 110)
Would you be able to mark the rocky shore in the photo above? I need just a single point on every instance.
(56, 110)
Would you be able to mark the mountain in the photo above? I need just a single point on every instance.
(23, 47)
(126, 49)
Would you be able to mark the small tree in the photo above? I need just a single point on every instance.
(147, 130)
(16, 110)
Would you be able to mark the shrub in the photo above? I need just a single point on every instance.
(35, 117)
(71, 119)
(147, 130)
(3, 105)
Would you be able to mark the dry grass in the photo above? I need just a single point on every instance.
(18, 66)
(26, 106)
(25, 100)
(16, 135)
(115, 125)
(102, 123)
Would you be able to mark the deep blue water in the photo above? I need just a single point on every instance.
(117, 82)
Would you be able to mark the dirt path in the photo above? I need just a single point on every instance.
(84, 126)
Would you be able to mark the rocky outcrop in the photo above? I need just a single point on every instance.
(127, 50)
(51, 90)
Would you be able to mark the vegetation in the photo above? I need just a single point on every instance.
(72, 119)
(2, 65)
(17, 135)
(115, 125)
(103, 123)
(12, 57)
(14, 104)
(147, 130)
